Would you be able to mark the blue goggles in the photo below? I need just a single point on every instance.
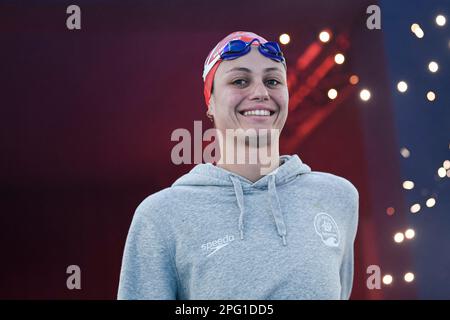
(238, 48)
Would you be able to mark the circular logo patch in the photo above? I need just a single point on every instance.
(327, 229)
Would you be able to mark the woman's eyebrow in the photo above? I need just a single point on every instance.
(250, 71)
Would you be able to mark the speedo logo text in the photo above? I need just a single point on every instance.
(212, 247)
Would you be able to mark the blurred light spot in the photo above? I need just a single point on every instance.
(409, 277)
(390, 211)
(332, 94)
(387, 279)
(324, 36)
(414, 27)
(410, 233)
(402, 86)
(399, 237)
(433, 66)
(441, 20)
(364, 95)
(417, 30)
(431, 202)
(415, 208)
(339, 58)
(405, 152)
(354, 80)
(442, 172)
(408, 185)
(419, 33)
(285, 38)
(431, 96)
(446, 164)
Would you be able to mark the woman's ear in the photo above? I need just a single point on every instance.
(211, 110)
(212, 106)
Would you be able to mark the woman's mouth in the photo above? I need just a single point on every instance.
(259, 113)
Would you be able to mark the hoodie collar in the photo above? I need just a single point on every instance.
(207, 174)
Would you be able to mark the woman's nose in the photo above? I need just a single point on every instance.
(260, 92)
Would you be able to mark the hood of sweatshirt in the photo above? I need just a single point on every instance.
(209, 175)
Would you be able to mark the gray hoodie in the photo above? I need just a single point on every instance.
(216, 235)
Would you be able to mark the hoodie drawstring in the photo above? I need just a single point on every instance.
(240, 200)
(276, 209)
(274, 204)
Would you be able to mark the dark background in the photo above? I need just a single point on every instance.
(86, 119)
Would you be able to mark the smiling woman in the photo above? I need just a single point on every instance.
(246, 88)
(229, 231)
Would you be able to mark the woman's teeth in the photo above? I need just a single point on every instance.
(257, 113)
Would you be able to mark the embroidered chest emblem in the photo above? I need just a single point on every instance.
(327, 229)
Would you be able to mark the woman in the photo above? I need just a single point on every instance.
(229, 231)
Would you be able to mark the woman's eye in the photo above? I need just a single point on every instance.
(239, 82)
(273, 82)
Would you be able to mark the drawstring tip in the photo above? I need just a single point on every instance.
(284, 240)
(242, 234)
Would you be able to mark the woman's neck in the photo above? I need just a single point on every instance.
(252, 169)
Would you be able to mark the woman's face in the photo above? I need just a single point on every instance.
(249, 82)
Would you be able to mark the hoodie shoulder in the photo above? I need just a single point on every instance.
(338, 183)
(338, 190)
(156, 207)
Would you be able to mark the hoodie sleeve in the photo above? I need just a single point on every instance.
(347, 266)
(148, 270)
